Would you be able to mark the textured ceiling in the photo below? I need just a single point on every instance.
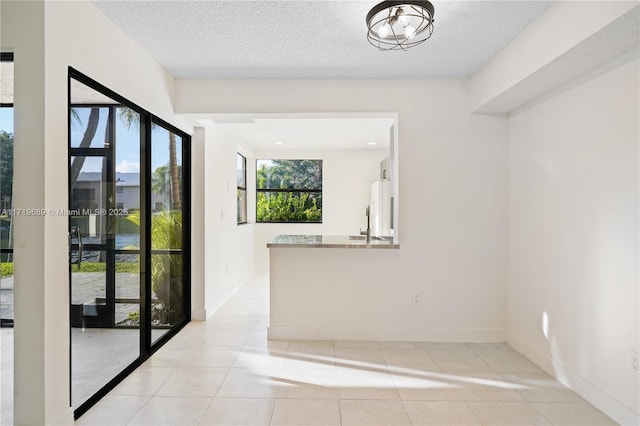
(313, 39)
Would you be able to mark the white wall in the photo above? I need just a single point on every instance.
(570, 38)
(452, 190)
(228, 247)
(346, 176)
(573, 235)
(47, 37)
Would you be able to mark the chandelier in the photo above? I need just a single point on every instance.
(399, 25)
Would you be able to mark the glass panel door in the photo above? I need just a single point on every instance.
(129, 238)
(167, 273)
(104, 220)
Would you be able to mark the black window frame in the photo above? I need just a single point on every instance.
(6, 57)
(146, 344)
(242, 189)
(291, 190)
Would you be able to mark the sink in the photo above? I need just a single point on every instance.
(373, 238)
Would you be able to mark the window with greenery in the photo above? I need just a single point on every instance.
(241, 177)
(289, 191)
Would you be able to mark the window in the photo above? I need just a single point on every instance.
(289, 191)
(241, 176)
(6, 198)
(119, 190)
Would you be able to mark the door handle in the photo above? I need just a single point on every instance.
(80, 246)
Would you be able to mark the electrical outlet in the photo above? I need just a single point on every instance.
(635, 362)
(416, 298)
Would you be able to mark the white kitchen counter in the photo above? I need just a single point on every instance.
(324, 289)
(330, 241)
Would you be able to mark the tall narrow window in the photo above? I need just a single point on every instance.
(6, 237)
(6, 189)
(241, 176)
(289, 191)
(129, 204)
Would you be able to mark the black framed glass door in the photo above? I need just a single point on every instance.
(128, 229)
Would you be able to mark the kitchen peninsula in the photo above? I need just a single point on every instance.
(324, 287)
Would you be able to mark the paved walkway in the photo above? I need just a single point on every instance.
(87, 286)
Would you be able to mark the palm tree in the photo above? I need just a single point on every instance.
(132, 118)
(159, 179)
(89, 133)
(176, 203)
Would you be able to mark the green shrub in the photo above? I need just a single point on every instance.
(130, 267)
(287, 207)
(6, 269)
(166, 269)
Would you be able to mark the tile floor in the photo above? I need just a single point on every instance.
(225, 372)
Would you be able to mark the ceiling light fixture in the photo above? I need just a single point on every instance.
(399, 25)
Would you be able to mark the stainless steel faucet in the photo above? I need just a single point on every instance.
(368, 213)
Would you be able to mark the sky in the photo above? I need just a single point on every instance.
(6, 119)
(127, 143)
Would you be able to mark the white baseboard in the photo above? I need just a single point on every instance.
(199, 315)
(587, 390)
(480, 335)
(65, 419)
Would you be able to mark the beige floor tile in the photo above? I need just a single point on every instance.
(356, 344)
(170, 356)
(447, 346)
(226, 338)
(189, 336)
(309, 356)
(301, 412)
(248, 383)
(465, 360)
(541, 387)
(145, 381)
(239, 411)
(260, 358)
(310, 344)
(401, 345)
(359, 412)
(353, 357)
(258, 338)
(571, 414)
(473, 386)
(171, 411)
(489, 346)
(488, 395)
(507, 413)
(504, 361)
(366, 384)
(213, 356)
(113, 410)
(425, 387)
(440, 413)
(409, 359)
(433, 382)
(308, 384)
(192, 382)
(234, 322)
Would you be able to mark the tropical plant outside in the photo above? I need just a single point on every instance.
(166, 225)
(289, 191)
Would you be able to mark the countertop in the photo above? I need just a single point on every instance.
(329, 241)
